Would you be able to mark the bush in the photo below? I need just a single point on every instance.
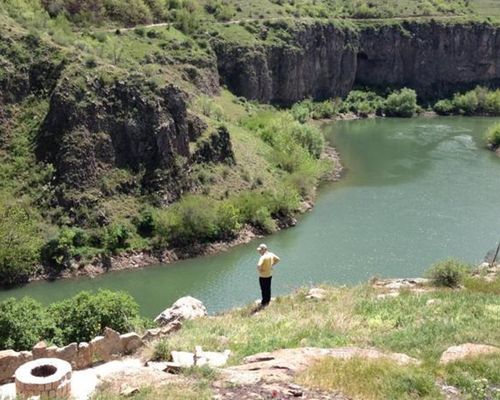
(59, 251)
(402, 103)
(467, 103)
(449, 273)
(363, 103)
(309, 138)
(23, 323)
(19, 243)
(145, 223)
(161, 351)
(444, 107)
(196, 219)
(85, 316)
(493, 135)
(117, 236)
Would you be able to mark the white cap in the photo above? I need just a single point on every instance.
(262, 246)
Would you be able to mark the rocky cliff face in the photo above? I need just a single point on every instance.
(319, 61)
(434, 59)
(322, 61)
(95, 124)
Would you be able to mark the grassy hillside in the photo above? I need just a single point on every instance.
(420, 324)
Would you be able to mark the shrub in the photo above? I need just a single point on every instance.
(493, 135)
(59, 251)
(117, 236)
(301, 111)
(196, 219)
(467, 103)
(309, 138)
(161, 351)
(444, 107)
(85, 316)
(145, 223)
(19, 244)
(449, 273)
(23, 323)
(402, 103)
(362, 103)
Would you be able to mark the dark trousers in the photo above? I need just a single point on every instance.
(265, 288)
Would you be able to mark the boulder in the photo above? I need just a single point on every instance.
(130, 342)
(456, 353)
(211, 358)
(183, 309)
(11, 360)
(106, 347)
(183, 358)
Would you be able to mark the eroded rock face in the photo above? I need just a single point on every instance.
(433, 58)
(318, 61)
(185, 308)
(93, 125)
(323, 61)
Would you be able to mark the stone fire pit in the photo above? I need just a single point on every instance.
(45, 377)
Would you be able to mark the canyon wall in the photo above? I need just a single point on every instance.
(323, 61)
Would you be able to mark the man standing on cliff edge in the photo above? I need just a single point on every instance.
(265, 268)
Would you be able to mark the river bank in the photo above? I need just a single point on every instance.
(145, 258)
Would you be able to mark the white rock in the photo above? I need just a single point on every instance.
(183, 309)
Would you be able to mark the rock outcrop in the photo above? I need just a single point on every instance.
(457, 353)
(321, 60)
(186, 308)
(100, 122)
(318, 61)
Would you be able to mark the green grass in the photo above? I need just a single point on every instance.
(474, 376)
(371, 379)
(356, 317)
(488, 8)
(353, 316)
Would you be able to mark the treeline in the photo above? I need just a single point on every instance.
(25, 322)
(480, 101)
(401, 103)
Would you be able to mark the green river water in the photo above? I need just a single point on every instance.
(414, 192)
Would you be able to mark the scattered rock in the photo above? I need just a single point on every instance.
(433, 302)
(316, 293)
(186, 308)
(456, 353)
